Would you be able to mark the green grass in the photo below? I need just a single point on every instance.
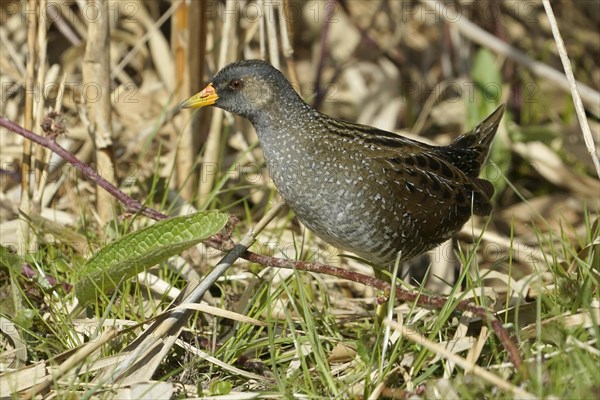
(306, 324)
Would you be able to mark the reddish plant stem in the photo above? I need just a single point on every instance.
(223, 242)
(131, 205)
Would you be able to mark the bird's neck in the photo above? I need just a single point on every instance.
(288, 116)
(287, 133)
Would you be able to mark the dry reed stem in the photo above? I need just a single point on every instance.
(272, 40)
(183, 53)
(26, 160)
(262, 34)
(211, 153)
(562, 51)
(41, 53)
(55, 15)
(116, 70)
(96, 73)
(286, 40)
(41, 154)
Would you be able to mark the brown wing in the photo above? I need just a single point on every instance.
(438, 195)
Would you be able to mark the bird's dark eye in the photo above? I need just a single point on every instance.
(236, 84)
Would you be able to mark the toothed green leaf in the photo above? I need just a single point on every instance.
(140, 250)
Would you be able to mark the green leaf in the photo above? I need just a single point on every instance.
(140, 250)
(485, 69)
(11, 298)
(487, 81)
(499, 162)
(24, 317)
(534, 133)
(220, 388)
(8, 259)
(487, 93)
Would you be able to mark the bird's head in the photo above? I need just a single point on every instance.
(247, 88)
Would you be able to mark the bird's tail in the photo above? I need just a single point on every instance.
(469, 151)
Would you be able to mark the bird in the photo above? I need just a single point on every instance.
(377, 194)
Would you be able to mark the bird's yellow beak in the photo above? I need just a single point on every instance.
(206, 97)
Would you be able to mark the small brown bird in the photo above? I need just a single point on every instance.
(374, 193)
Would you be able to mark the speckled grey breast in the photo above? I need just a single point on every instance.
(335, 201)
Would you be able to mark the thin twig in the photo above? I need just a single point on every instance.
(562, 51)
(131, 205)
(420, 299)
(429, 103)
